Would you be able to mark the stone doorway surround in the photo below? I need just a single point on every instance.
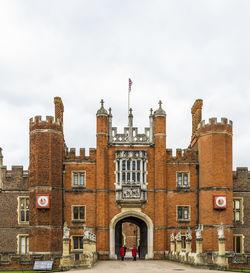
(125, 213)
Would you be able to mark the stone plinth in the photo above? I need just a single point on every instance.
(188, 246)
(172, 246)
(178, 246)
(198, 246)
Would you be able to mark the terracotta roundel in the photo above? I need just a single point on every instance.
(220, 202)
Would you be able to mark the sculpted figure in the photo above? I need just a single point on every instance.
(66, 230)
(188, 235)
(198, 232)
(172, 237)
(220, 231)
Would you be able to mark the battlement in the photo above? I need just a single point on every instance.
(183, 155)
(49, 123)
(214, 125)
(134, 137)
(16, 178)
(241, 172)
(70, 155)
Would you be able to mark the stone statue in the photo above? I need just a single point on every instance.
(198, 232)
(88, 234)
(172, 237)
(188, 234)
(220, 231)
(66, 230)
(178, 236)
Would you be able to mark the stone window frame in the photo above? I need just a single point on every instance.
(189, 213)
(72, 214)
(241, 210)
(19, 198)
(78, 172)
(79, 243)
(180, 186)
(242, 237)
(19, 237)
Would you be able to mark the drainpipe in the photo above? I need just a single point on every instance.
(63, 190)
(198, 195)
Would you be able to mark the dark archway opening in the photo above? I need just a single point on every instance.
(143, 242)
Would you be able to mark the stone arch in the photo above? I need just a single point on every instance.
(126, 214)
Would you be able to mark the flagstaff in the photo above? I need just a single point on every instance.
(129, 90)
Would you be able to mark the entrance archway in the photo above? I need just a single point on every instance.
(146, 233)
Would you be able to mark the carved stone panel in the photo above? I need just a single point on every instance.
(131, 192)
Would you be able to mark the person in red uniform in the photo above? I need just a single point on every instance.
(134, 252)
(122, 253)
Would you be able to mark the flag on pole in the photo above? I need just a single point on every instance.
(129, 84)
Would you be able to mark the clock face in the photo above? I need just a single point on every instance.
(42, 201)
(220, 202)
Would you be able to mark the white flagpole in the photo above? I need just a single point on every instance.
(128, 96)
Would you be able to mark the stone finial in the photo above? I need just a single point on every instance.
(88, 234)
(102, 111)
(151, 112)
(178, 236)
(198, 233)
(188, 234)
(220, 231)
(110, 112)
(66, 230)
(160, 111)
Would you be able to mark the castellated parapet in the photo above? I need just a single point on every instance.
(183, 155)
(50, 124)
(70, 155)
(214, 125)
(14, 179)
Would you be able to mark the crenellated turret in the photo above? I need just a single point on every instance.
(46, 160)
(214, 143)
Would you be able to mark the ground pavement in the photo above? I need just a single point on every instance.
(141, 266)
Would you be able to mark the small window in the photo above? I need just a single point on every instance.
(24, 209)
(77, 242)
(23, 242)
(238, 243)
(183, 213)
(237, 210)
(78, 179)
(182, 179)
(78, 213)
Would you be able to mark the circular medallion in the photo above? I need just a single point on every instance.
(43, 201)
(220, 201)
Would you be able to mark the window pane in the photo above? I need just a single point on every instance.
(123, 177)
(82, 179)
(118, 165)
(27, 215)
(179, 180)
(81, 243)
(27, 247)
(75, 239)
(22, 245)
(22, 216)
(133, 165)
(22, 203)
(238, 244)
(185, 213)
(123, 165)
(138, 177)
(82, 213)
(179, 213)
(133, 177)
(128, 165)
(75, 212)
(237, 216)
(185, 179)
(27, 203)
(237, 204)
(118, 177)
(138, 165)
(128, 176)
(75, 179)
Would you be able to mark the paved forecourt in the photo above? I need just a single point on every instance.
(142, 266)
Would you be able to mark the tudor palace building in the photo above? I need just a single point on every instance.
(130, 190)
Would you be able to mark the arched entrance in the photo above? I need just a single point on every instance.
(143, 235)
(146, 233)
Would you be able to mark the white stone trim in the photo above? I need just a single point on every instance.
(128, 212)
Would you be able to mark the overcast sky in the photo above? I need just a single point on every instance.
(83, 51)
